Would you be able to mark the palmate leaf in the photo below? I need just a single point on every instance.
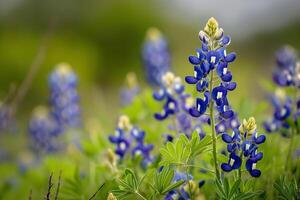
(225, 191)
(129, 187)
(184, 150)
(163, 181)
(287, 190)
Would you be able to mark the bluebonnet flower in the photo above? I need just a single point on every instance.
(243, 143)
(170, 91)
(130, 90)
(177, 105)
(212, 57)
(64, 98)
(129, 140)
(188, 189)
(156, 56)
(44, 130)
(282, 111)
(287, 71)
(227, 124)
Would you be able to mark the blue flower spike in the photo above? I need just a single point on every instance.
(156, 56)
(64, 98)
(244, 142)
(212, 57)
(129, 141)
(130, 90)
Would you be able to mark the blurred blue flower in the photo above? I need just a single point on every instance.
(227, 124)
(130, 141)
(287, 70)
(282, 111)
(44, 130)
(156, 56)
(130, 90)
(64, 98)
(171, 90)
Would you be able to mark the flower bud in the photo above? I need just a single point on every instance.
(124, 122)
(131, 80)
(111, 157)
(248, 126)
(211, 27)
(111, 196)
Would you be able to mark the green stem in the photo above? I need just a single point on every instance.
(213, 133)
(141, 196)
(288, 158)
(240, 169)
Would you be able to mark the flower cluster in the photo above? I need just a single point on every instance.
(177, 104)
(44, 130)
(227, 124)
(171, 91)
(286, 74)
(282, 111)
(64, 98)
(190, 187)
(243, 142)
(287, 71)
(210, 58)
(129, 140)
(130, 90)
(156, 56)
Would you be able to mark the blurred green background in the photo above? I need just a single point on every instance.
(102, 40)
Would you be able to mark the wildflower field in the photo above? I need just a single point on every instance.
(169, 113)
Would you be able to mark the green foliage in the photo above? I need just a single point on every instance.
(184, 150)
(163, 181)
(227, 192)
(129, 186)
(287, 190)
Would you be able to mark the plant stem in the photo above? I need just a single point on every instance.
(213, 133)
(141, 196)
(288, 158)
(240, 169)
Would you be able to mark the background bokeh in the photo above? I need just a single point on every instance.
(102, 40)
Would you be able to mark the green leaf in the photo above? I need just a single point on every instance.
(163, 181)
(184, 150)
(235, 188)
(173, 186)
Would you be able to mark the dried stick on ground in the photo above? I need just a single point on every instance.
(58, 185)
(50, 184)
(33, 69)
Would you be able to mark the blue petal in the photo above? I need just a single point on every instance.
(226, 40)
(201, 183)
(237, 161)
(194, 112)
(226, 138)
(191, 79)
(230, 86)
(160, 95)
(194, 60)
(260, 139)
(226, 167)
(257, 157)
(255, 173)
(230, 57)
(227, 77)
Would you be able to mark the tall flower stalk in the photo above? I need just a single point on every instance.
(212, 58)
(286, 108)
